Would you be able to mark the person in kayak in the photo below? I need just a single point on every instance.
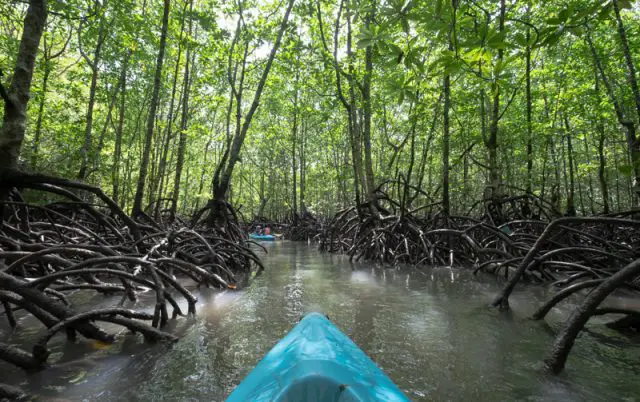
(267, 230)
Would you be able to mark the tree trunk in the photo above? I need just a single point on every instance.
(631, 70)
(367, 108)
(117, 154)
(446, 203)
(492, 144)
(602, 173)
(571, 208)
(105, 127)
(529, 110)
(38, 133)
(95, 70)
(633, 144)
(354, 120)
(302, 157)
(633, 141)
(16, 97)
(182, 143)
(144, 165)
(294, 137)
(205, 166)
(158, 183)
(224, 171)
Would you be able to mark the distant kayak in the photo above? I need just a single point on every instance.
(256, 236)
(316, 362)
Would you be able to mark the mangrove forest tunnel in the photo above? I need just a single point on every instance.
(455, 183)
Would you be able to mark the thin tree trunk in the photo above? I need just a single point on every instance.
(103, 132)
(159, 182)
(95, 71)
(117, 154)
(202, 174)
(446, 202)
(144, 165)
(571, 208)
(222, 178)
(602, 172)
(303, 207)
(529, 110)
(356, 135)
(633, 144)
(38, 132)
(294, 137)
(591, 193)
(631, 70)
(367, 108)
(182, 143)
(426, 148)
(492, 144)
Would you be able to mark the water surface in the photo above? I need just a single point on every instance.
(431, 331)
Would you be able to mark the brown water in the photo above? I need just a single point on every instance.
(431, 331)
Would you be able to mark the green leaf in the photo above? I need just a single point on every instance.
(521, 39)
(405, 25)
(577, 31)
(605, 11)
(438, 8)
(563, 15)
(466, 21)
(497, 41)
(395, 49)
(625, 4)
(626, 170)
(363, 43)
(553, 21)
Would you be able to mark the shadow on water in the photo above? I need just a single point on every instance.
(431, 331)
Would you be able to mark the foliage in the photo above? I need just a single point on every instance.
(408, 41)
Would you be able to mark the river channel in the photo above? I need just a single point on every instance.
(430, 330)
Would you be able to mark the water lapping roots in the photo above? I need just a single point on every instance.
(47, 252)
(580, 250)
(515, 238)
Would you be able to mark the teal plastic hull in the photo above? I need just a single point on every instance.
(316, 362)
(262, 237)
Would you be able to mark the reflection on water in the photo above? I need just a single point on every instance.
(430, 331)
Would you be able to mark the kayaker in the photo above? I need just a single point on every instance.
(259, 229)
(267, 230)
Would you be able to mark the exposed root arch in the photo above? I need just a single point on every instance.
(55, 249)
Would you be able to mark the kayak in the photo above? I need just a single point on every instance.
(316, 362)
(256, 236)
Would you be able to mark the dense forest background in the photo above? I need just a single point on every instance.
(463, 100)
(142, 139)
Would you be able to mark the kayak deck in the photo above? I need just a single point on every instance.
(316, 362)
